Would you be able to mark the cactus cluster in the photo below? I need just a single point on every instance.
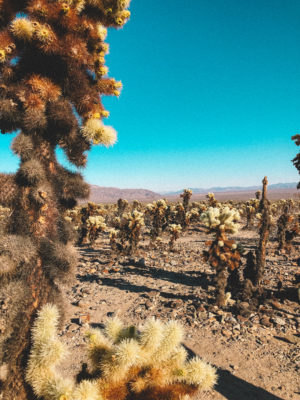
(128, 230)
(223, 254)
(92, 223)
(126, 363)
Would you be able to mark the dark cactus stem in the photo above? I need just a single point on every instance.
(282, 225)
(264, 235)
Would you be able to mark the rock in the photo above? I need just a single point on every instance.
(278, 321)
(84, 319)
(226, 332)
(265, 321)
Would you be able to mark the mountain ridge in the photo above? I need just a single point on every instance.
(215, 189)
(104, 194)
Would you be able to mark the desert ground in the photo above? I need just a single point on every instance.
(256, 353)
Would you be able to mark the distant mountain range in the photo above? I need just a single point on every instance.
(215, 189)
(101, 194)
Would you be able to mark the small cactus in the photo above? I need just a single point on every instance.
(223, 254)
(175, 231)
(150, 364)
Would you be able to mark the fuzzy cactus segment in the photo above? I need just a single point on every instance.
(127, 363)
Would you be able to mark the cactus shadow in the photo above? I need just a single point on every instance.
(125, 285)
(202, 279)
(234, 388)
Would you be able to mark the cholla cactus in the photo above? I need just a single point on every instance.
(212, 202)
(282, 227)
(223, 254)
(95, 225)
(122, 205)
(113, 235)
(129, 231)
(146, 365)
(157, 212)
(85, 214)
(175, 231)
(252, 206)
(186, 196)
(221, 220)
(52, 78)
(136, 205)
(288, 229)
(192, 215)
(264, 232)
(257, 194)
(255, 267)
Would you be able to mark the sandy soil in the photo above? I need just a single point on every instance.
(257, 355)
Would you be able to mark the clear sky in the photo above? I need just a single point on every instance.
(211, 96)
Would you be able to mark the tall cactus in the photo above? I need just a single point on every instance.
(52, 76)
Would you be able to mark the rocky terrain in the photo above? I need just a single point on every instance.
(257, 353)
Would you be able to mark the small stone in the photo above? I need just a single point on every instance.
(278, 321)
(84, 319)
(226, 332)
(265, 321)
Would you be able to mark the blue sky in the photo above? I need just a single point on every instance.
(211, 96)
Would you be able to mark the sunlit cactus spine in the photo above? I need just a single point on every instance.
(150, 364)
(52, 77)
(223, 254)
